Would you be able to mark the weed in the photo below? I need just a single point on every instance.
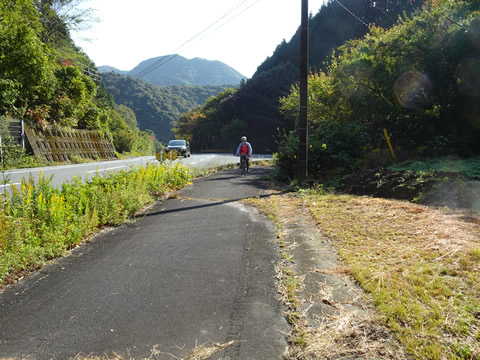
(77, 159)
(39, 222)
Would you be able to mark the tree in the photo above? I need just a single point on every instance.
(128, 115)
(25, 67)
(60, 17)
(74, 95)
(416, 79)
(184, 126)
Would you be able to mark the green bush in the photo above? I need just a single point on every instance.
(332, 146)
(12, 154)
(337, 145)
(286, 158)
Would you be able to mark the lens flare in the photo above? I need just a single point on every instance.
(412, 89)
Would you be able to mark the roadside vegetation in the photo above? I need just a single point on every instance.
(39, 222)
(420, 264)
(15, 157)
(414, 82)
(443, 181)
(406, 220)
(48, 82)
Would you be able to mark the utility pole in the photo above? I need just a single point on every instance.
(302, 129)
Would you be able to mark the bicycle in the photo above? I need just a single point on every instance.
(243, 165)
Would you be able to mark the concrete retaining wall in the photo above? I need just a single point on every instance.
(60, 145)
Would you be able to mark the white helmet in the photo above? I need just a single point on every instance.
(244, 138)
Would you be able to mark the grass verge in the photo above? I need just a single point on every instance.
(39, 222)
(324, 324)
(420, 265)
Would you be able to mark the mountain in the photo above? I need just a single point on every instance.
(156, 107)
(177, 70)
(106, 68)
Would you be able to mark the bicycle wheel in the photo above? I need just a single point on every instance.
(243, 168)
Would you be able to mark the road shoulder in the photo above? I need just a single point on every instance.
(331, 316)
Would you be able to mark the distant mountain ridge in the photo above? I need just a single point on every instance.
(178, 70)
(157, 107)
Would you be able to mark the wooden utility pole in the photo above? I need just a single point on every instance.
(302, 129)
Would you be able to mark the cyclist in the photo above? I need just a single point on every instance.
(244, 150)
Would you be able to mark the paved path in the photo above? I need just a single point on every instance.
(194, 270)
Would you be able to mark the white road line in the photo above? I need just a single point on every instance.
(23, 171)
(55, 168)
(4, 186)
(107, 169)
(51, 168)
(211, 156)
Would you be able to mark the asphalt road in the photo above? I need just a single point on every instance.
(64, 173)
(194, 270)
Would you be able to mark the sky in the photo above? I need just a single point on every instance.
(239, 33)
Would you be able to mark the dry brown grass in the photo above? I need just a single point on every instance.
(347, 335)
(339, 332)
(199, 352)
(421, 265)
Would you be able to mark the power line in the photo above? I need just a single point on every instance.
(155, 65)
(94, 74)
(161, 61)
(237, 15)
(375, 5)
(150, 67)
(167, 58)
(351, 13)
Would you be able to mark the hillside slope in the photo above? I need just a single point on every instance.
(156, 107)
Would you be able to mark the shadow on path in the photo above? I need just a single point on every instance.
(214, 203)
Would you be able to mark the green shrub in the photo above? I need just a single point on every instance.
(332, 146)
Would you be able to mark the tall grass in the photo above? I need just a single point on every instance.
(39, 222)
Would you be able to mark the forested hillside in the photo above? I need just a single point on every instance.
(48, 82)
(417, 81)
(177, 70)
(157, 107)
(255, 106)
